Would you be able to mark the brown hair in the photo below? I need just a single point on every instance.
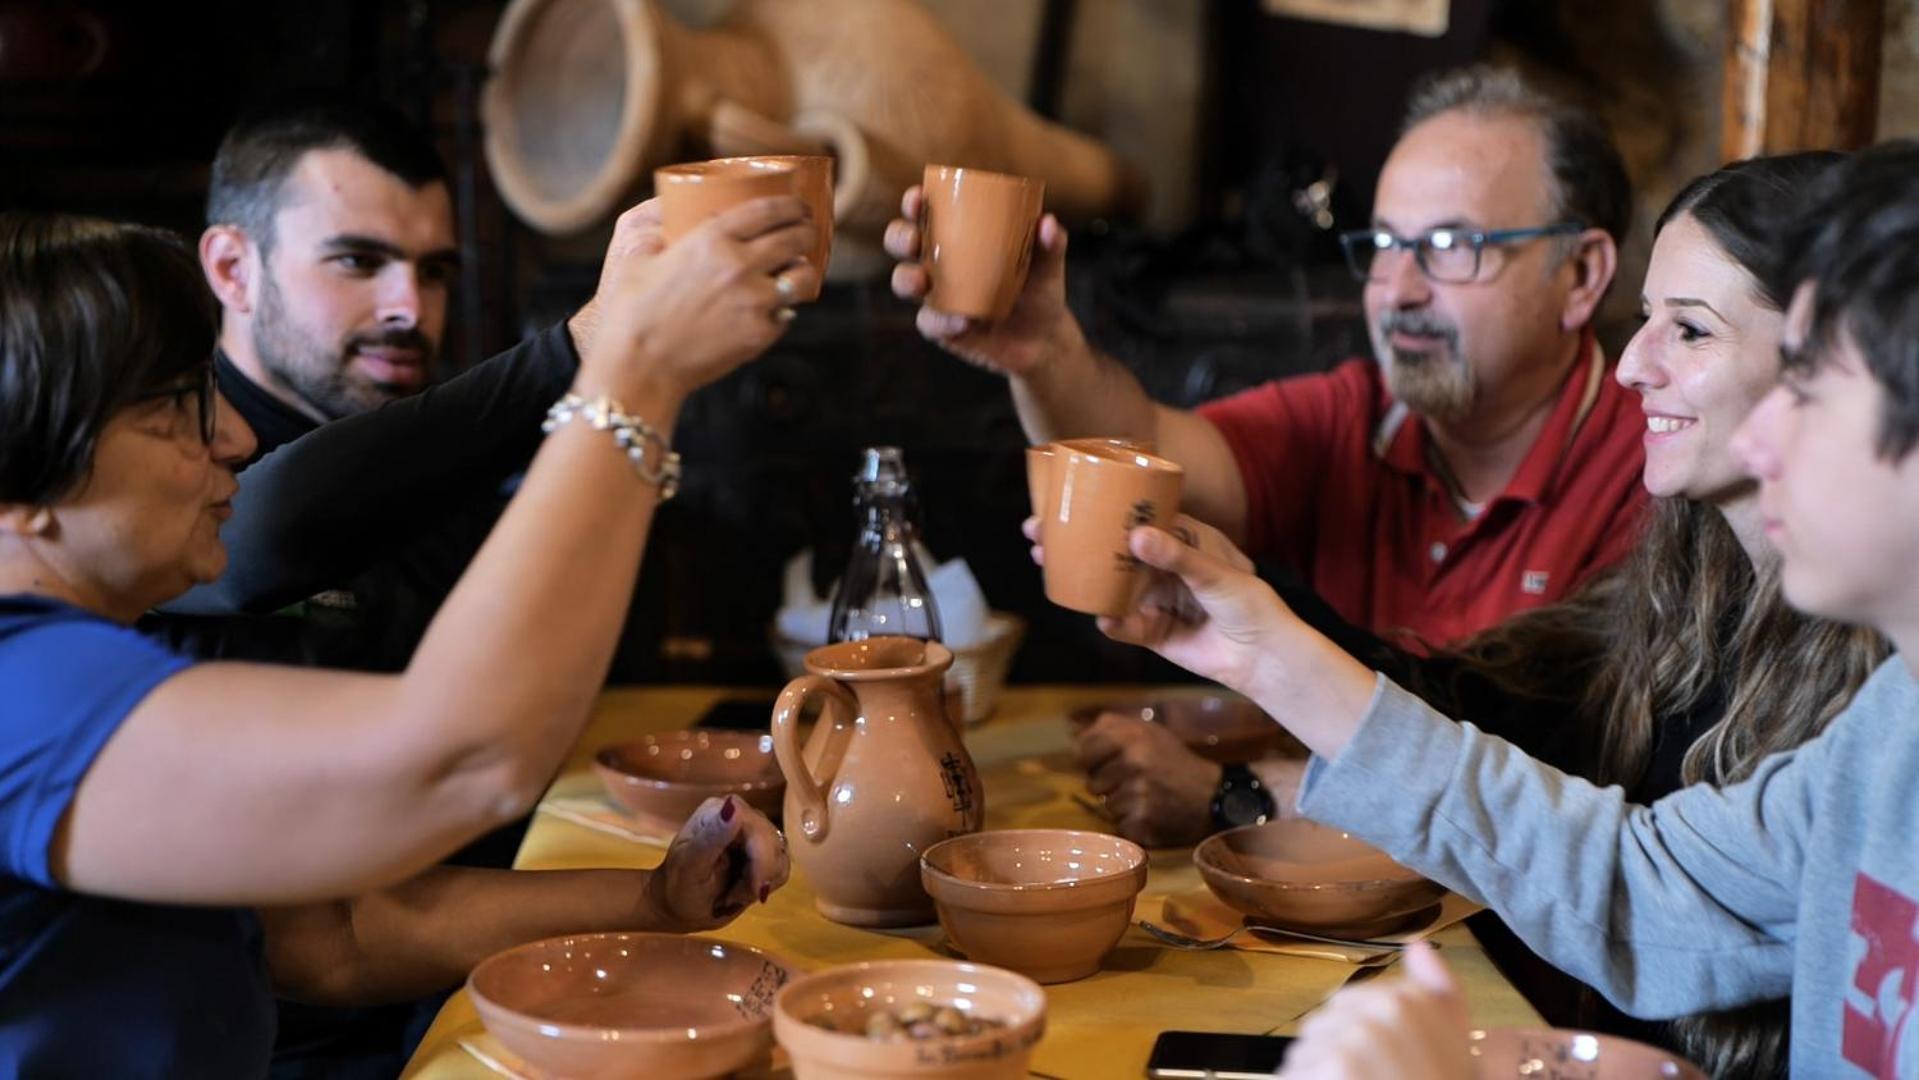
(92, 315)
(1689, 623)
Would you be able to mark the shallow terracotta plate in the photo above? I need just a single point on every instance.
(1301, 875)
(1563, 1054)
(1217, 727)
(615, 1005)
(661, 779)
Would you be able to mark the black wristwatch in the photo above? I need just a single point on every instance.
(1241, 800)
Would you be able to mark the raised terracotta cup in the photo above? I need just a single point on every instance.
(661, 779)
(1099, 494)
(619, 1005)
(845, 996)
(1296, 874)
(1047, 903)
(1545, 1052)
(1039, 464)
(814, 182)
(1218, 727)
(694, 191)
(976, 238)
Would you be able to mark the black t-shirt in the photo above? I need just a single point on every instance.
(346, 537)
(274, 422)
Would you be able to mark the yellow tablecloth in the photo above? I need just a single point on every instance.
(1100, 1027)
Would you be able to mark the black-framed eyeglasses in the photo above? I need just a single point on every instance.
(1448, 255)
(200, 391)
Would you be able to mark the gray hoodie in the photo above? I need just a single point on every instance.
(1801, 880)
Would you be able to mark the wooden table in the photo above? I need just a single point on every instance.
(1099, 1027)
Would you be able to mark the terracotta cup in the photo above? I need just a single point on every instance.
(977, 233)
(815, 185)
(1039, 464)
(1098, 494)
(692, 192)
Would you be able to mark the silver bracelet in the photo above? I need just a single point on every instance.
(632, 433)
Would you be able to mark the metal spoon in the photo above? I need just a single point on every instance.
(1271, 933)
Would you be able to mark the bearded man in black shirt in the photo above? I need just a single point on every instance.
(331, 247)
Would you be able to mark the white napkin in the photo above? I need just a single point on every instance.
(804, 616)
(961, 604)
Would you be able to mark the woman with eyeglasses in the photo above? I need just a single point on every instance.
(181, 840)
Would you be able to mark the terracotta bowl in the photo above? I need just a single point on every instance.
(662, 779)
(1228, 730)
(1048, 903)
(846, 996)
(1304, 876)
(616, 1005)
(1512, 1052)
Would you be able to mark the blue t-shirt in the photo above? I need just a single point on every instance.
(93, 987)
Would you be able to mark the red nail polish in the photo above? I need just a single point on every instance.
(765, 891)
(726, 809)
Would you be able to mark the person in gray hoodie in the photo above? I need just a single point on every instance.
(1801, 880)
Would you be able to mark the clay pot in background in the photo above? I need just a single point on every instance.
(586, 96)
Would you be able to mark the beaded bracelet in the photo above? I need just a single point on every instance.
(631, 432)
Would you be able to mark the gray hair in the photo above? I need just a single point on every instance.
(1588, 176)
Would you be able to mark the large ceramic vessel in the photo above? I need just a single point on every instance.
(883, 777)
(586, 96)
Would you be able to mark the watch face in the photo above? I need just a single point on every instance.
(1244, 805)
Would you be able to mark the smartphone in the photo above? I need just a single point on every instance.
(738, 714)
(1202, 1055)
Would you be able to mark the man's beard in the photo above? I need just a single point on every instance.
(1437, 384)
(319, 374)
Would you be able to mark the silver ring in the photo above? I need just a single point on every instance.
(783, 286)
(783, 314)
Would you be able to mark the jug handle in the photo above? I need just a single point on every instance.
(786, 743)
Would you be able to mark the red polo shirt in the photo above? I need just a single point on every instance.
(1339, 485)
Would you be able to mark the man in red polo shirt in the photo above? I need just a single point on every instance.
(1483, 462)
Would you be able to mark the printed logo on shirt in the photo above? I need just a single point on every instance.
(1533, 582)
(1884, 953)
(341, 599)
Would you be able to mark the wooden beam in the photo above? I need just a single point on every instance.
(1800, 75)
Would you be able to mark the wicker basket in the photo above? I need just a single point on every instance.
(979, 670)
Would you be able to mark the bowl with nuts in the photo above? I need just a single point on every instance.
(910, 1018)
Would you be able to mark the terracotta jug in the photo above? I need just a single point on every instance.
(883, 777)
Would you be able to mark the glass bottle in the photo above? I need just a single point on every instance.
(884, 589)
